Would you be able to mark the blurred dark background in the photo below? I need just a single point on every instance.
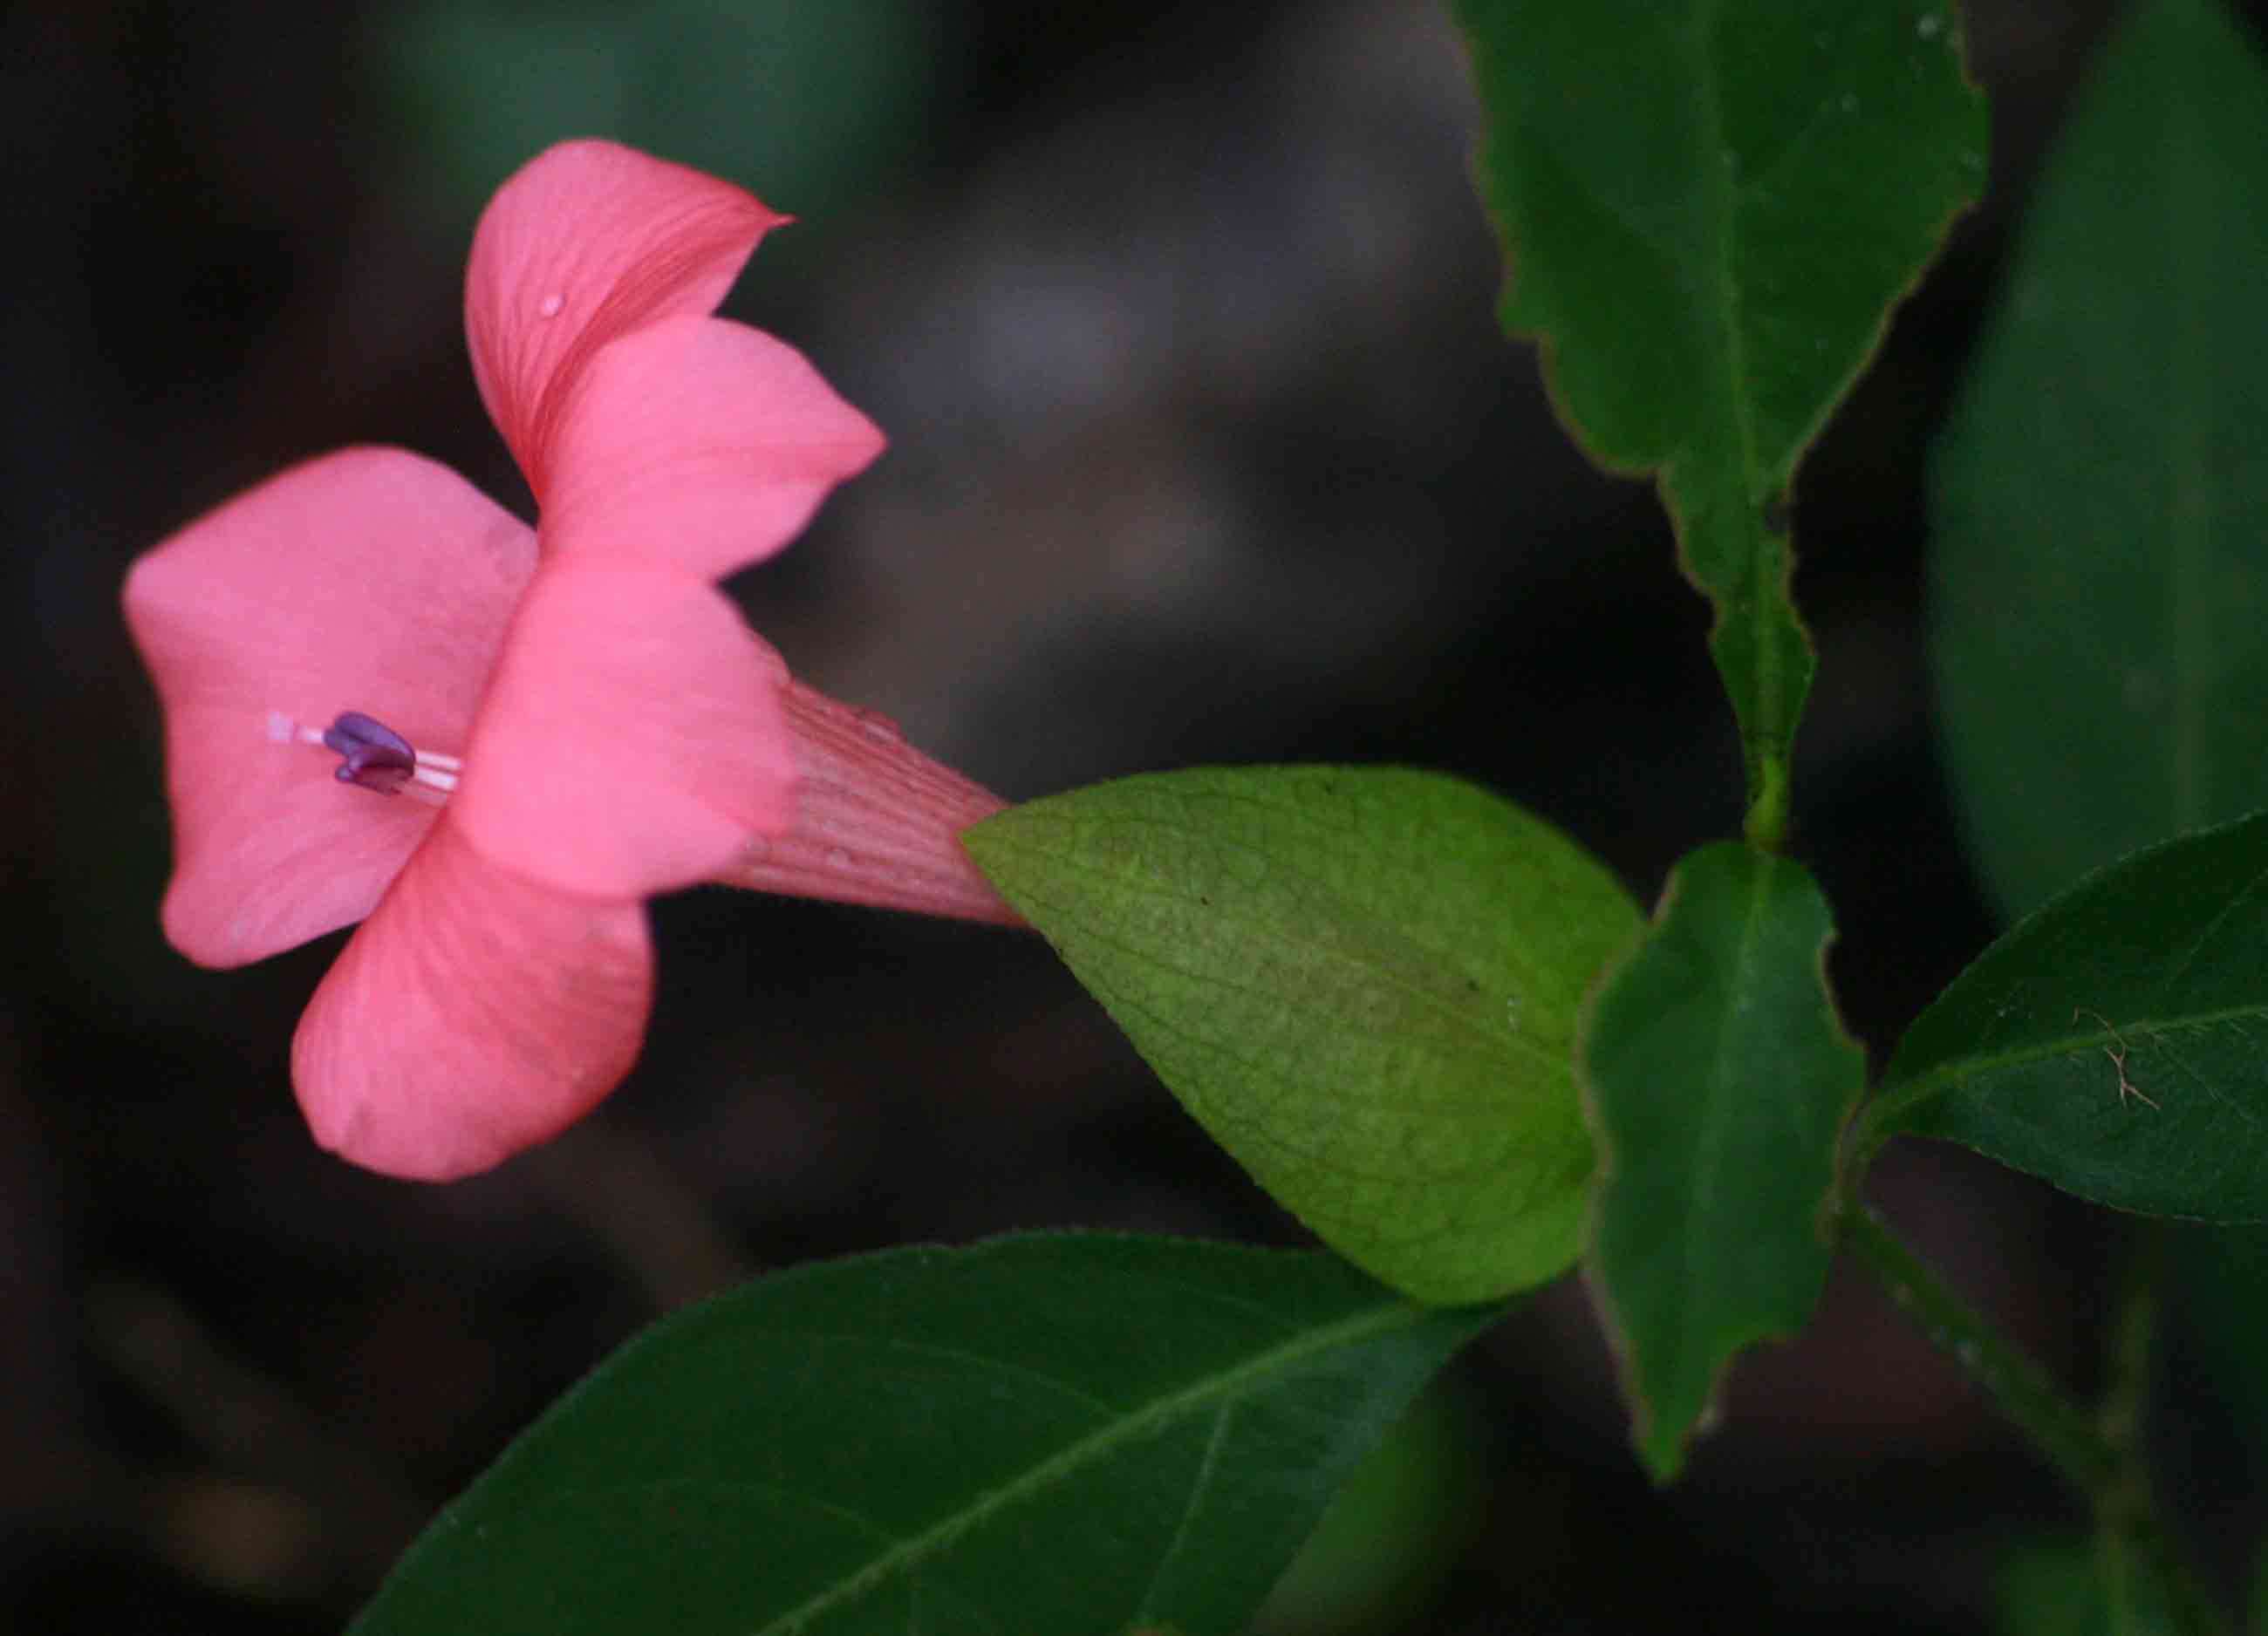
(1205, 449)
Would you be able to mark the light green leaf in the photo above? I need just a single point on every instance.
(1717, 1078)
(1362, 981)
(2112, 1042)
(1060, 1433)
(2101, 493)
(1708, 206)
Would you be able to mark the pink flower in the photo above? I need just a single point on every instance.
(548, 726)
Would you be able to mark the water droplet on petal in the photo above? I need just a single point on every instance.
(550, 306)
(838, 858)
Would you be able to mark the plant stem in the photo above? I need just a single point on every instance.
(2097, 1453)
(2127, 1349)
(2065, 1433)
(2143, 1573)
(1766, 826)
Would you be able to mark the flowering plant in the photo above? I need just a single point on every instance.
(538, 728)
(1433, 1027)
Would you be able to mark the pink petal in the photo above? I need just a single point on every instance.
(631, 740)
(700, 442)
(586, 242)
(370, 580)
(877, 822)
(474, 1014)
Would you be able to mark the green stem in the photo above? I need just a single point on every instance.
(2143, 1570)
(1766, 826)
(2127, 1349)
(2098, 1453)
(2064, 1432)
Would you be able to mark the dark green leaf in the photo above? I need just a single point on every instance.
(2220, 1275)
(1708, 206)
(1395, 1529)
(1362, 981)
(2100, 564)
(2107, 1586)
(2143, 1596)
(1717, 1078)
(1059, 1433)
(471, 90)
(2112, 1042)
(2050, 1588)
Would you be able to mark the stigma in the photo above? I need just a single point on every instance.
(374, 757)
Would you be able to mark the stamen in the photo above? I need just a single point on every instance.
(373, 756)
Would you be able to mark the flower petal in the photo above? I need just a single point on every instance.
(474, 1014)
(586, 242)
(697, 442)
(877, 821)
(371, 580)
(631, 740)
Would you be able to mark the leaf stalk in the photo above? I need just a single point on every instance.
(2098, 1453)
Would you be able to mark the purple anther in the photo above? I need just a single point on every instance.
(376, 757)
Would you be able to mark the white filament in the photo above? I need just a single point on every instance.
(434, 776)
